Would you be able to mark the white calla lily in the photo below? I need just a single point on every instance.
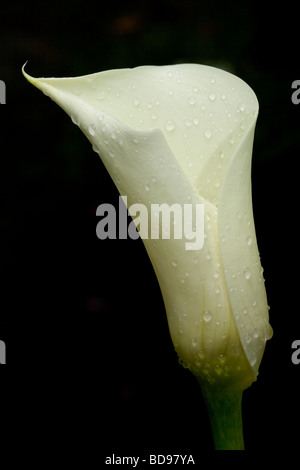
(184, 134)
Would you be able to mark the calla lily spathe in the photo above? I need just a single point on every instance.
(184, 134)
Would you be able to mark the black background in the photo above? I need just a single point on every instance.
(90, 365)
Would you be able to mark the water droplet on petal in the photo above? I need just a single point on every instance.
(174, 263)
(170, 126)
(249, 240)
(201, 355)
(247, 338)
(207, 133)
(101, 95)
(207, 316)
(255, 333)
(252, 359)
(247, 273)
(192, 100)
(212, 96)
(75, 119)
(92, 130)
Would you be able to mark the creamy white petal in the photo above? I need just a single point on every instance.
(241, 261)
(183, 134)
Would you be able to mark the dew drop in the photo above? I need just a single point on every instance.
(174, 264)
(92, 130)
(75, 119)
(188, 123)
(192, 100)
(212, 96)
(248, 241)
(221, 359)
(136, 101)
(170, 126)
(201, 355)
(183, 363)
(247, 338)
(101, 95)
(242, 107)
(255, 333)
(207, 316)
(207, 133)
(218, 370)
(252, 359)
(247, 273)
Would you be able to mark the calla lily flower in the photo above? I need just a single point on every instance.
(184, 134)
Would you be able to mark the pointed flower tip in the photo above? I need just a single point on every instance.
(37, 82)
(29, 78)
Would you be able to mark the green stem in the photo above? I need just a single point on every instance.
(225, 414)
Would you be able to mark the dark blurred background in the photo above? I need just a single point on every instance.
(90, 364)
